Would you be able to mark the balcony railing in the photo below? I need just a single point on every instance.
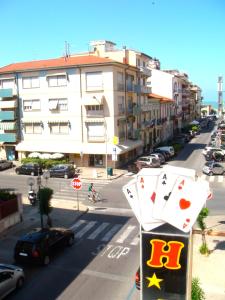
(146, 71)
(95, 113)
(6, 93)
(146, 90)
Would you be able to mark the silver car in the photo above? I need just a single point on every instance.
(11, 278)
(147, 162)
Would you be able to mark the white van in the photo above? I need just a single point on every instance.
(169, 149)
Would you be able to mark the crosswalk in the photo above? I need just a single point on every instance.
(66, 191)
(106, 231)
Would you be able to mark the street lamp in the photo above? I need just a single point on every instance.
(39, 186)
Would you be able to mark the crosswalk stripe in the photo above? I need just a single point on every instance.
(211, 179)
(135, 240)
(220, 178)
(203, 176)
(85, 229)
(111, 232)
(78, 224)
(125, 234)
(98, 231)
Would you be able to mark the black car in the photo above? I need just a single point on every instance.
(29, 169)
(62, 170)
(38, 245)
(165, 153)
(5, 164)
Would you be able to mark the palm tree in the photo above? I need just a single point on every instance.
(44, 196)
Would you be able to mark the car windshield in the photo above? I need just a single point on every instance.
(209, 164)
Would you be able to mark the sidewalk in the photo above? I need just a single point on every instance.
(99, 173)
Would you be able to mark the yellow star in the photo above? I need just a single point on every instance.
(154, 281)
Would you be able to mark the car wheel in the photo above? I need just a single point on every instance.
(70, 241)
(46, 260)
(210, 173)
(32, 173)
(20, 283)
(17, 172)
(66, 176)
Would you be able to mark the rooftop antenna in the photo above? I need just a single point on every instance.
(220, 96)
(67, 50)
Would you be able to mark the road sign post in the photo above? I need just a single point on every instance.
(77, 185)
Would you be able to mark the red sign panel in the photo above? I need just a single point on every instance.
(76, 184)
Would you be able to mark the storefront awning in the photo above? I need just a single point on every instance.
(77, 147)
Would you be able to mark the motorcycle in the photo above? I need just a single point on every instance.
(32, 197)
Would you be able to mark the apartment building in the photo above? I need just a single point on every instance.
(75, 106)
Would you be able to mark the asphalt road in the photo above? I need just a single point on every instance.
(102, 263)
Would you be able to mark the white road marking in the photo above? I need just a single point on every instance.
(98, 231)
(211, 179)
(125, 234)
(85, 229)
(78, 224)
(111, 232)
(220, 178)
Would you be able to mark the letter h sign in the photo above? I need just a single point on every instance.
(165, 266)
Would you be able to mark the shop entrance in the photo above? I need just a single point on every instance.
(96, 160)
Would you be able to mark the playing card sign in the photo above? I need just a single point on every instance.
(167, 195)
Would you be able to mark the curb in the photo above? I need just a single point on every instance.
(210, 232)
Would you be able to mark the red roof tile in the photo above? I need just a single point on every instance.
(61, 62)
(160, 97)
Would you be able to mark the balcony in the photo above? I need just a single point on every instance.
(8, 126)
(7, 115)
(8, 104)
(131, 88)
(95, 114)
(8, 137)
(146, 71)
(146, 107)
(146, 90)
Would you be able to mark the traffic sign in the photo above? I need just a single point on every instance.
(76, 184)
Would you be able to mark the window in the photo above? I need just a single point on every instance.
(58, 104)
(120, 81)
(57, 80)
(94, 107)
(30, 105)
(121, 129)
(59, 128)
(33, 128)
(94, 81)
(96, 131)
(7, 83)
(121, 105)
(31, 82)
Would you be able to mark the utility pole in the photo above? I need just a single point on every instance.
(220, 97)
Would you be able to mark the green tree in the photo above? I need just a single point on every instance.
(201, 223)
(44, 197)
(197, 292)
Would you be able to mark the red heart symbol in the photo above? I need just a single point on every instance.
(184, 204)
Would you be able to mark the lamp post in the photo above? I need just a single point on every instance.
(39, 186)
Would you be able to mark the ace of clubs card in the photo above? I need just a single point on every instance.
(166, 182)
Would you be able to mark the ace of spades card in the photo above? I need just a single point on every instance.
(165, 186)
(185, 203)
(147, 180)
(130, 191)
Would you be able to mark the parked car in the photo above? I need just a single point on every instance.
(169, 149)
(207, 149)
(5, 164)
(159, 156)
(185, 136)
(62, 170)
(165, 153)
(32, 169)
(38, 245)
(11, 278)
(147, 162)
(213, 168)
(215, 155)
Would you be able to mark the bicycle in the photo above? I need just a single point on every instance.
(94, 197)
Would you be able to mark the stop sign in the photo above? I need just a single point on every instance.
(76, 184)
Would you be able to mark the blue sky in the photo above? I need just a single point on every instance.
(184, 35)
